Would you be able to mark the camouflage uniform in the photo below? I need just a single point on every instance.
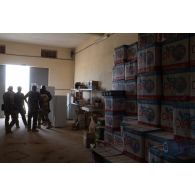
(33, 108)
(19, 101)
(9, 110)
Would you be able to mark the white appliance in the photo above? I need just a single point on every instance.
(51, 114)
(59, 111)
(70, 108)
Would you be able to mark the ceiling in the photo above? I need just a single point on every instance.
(67, 40)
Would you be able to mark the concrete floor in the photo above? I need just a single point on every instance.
(56, 145)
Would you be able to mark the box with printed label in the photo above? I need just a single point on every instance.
(131, 89)
(175, 54)
(148, 39)
(130, 70)
(149, 86)
(131, 107)
(132, 52)
(171, 37)
(192, 84)
(182, 119)
(149, 112)
(134, 136)
(118, 85)
(108, 137)
(167, 115)
(118, 142)
(118, 72)
(120, 54)
(149, 59)
(192, 50)
(156, 138)
(176, 84)
(113, 120)
(116, 104)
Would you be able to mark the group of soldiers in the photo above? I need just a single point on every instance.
(38, 108)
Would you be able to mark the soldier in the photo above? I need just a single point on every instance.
(20, 108)
(33, 107)
(9, 109)
(45, 98)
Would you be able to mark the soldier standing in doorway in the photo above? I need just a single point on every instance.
(33, 107)
(20, 108)
(45, 98)
(9, 109)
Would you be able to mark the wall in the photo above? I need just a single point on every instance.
(61, 71)
(96, 62)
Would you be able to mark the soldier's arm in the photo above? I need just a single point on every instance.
(49, 95)
(26, 96)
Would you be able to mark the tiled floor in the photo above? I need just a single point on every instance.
(62, 145)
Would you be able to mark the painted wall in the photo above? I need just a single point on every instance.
(96, 62)
(61, 71)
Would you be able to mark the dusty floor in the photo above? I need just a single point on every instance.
(53, 145)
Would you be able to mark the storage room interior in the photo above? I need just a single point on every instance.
(116, 97)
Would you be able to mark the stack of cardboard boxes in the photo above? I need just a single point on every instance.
(158, 76)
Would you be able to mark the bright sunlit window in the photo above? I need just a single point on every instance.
(17, 76)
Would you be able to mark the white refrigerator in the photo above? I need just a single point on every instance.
(59, 111)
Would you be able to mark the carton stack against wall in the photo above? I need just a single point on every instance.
(192, 83)
(118, 71)
(175, 109)
(149, 80)
(114, 111)
(134, 135)
(131, 80)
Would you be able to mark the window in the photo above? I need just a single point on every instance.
(48, 53)
(2, 48)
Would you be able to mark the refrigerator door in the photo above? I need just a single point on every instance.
(60, 111)
(70, 109)
(51, 114)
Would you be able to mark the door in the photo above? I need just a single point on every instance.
(39, 76)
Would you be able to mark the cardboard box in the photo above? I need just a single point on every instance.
(146, 40)
(118, 85)
(175, 54)
(156, 138)
(192, 50)
(172, 37)
(130, 70)
(131, 89)
(114, 104)
(149, 112)
(120, 54)
(156, 154)
(134, 136)
(132, 52)
(131, 107)
(108, 136)
(113, 120)
(149, 86)
(149, 59)
(182, 119)
(118, 72)
(176, 84)
(192, 84)
(118, 142)
(167, 115)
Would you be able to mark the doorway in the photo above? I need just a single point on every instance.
(17, 75)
